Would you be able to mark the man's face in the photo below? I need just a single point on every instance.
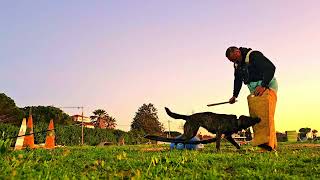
(235, 56)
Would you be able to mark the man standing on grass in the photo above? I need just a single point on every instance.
(257, 72)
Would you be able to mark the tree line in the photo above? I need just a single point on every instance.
(145, 121)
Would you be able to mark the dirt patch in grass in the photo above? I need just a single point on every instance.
(302, 145)
(154, 149)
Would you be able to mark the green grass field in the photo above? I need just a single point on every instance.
(290, 161)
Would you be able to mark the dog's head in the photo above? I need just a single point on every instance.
(246, 121)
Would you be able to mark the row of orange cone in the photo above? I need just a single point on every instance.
(26, 136)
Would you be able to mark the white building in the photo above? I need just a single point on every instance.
(86, 120)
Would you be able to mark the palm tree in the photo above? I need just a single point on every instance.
(100, 113)
(103, 120)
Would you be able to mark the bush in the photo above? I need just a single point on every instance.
(8, 131)
(138, 136)
(71, 135)
(5, 145)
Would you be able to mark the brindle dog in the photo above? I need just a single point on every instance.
(215, 123)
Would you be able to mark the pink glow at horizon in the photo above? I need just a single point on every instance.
(118, 55)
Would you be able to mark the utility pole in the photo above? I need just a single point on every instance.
(77, 107)
(82, 126)
(169, 128)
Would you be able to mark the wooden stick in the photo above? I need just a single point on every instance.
(214, 104)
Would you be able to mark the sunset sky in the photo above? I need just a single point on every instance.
(118, 54)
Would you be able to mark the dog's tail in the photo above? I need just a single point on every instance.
(175, 115)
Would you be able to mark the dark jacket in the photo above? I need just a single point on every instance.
(259, 68)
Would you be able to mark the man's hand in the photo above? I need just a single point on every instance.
(259, 91)
(232, 100)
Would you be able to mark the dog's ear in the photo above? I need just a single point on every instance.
(246, 121)
(247, 118)
(257, 119)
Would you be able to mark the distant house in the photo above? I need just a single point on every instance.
(86, 121)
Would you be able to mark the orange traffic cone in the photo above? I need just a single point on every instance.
(50, 139)
(29, 139)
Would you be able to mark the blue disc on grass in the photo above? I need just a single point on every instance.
(180, 146)
(193, 146)
(172, 146)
